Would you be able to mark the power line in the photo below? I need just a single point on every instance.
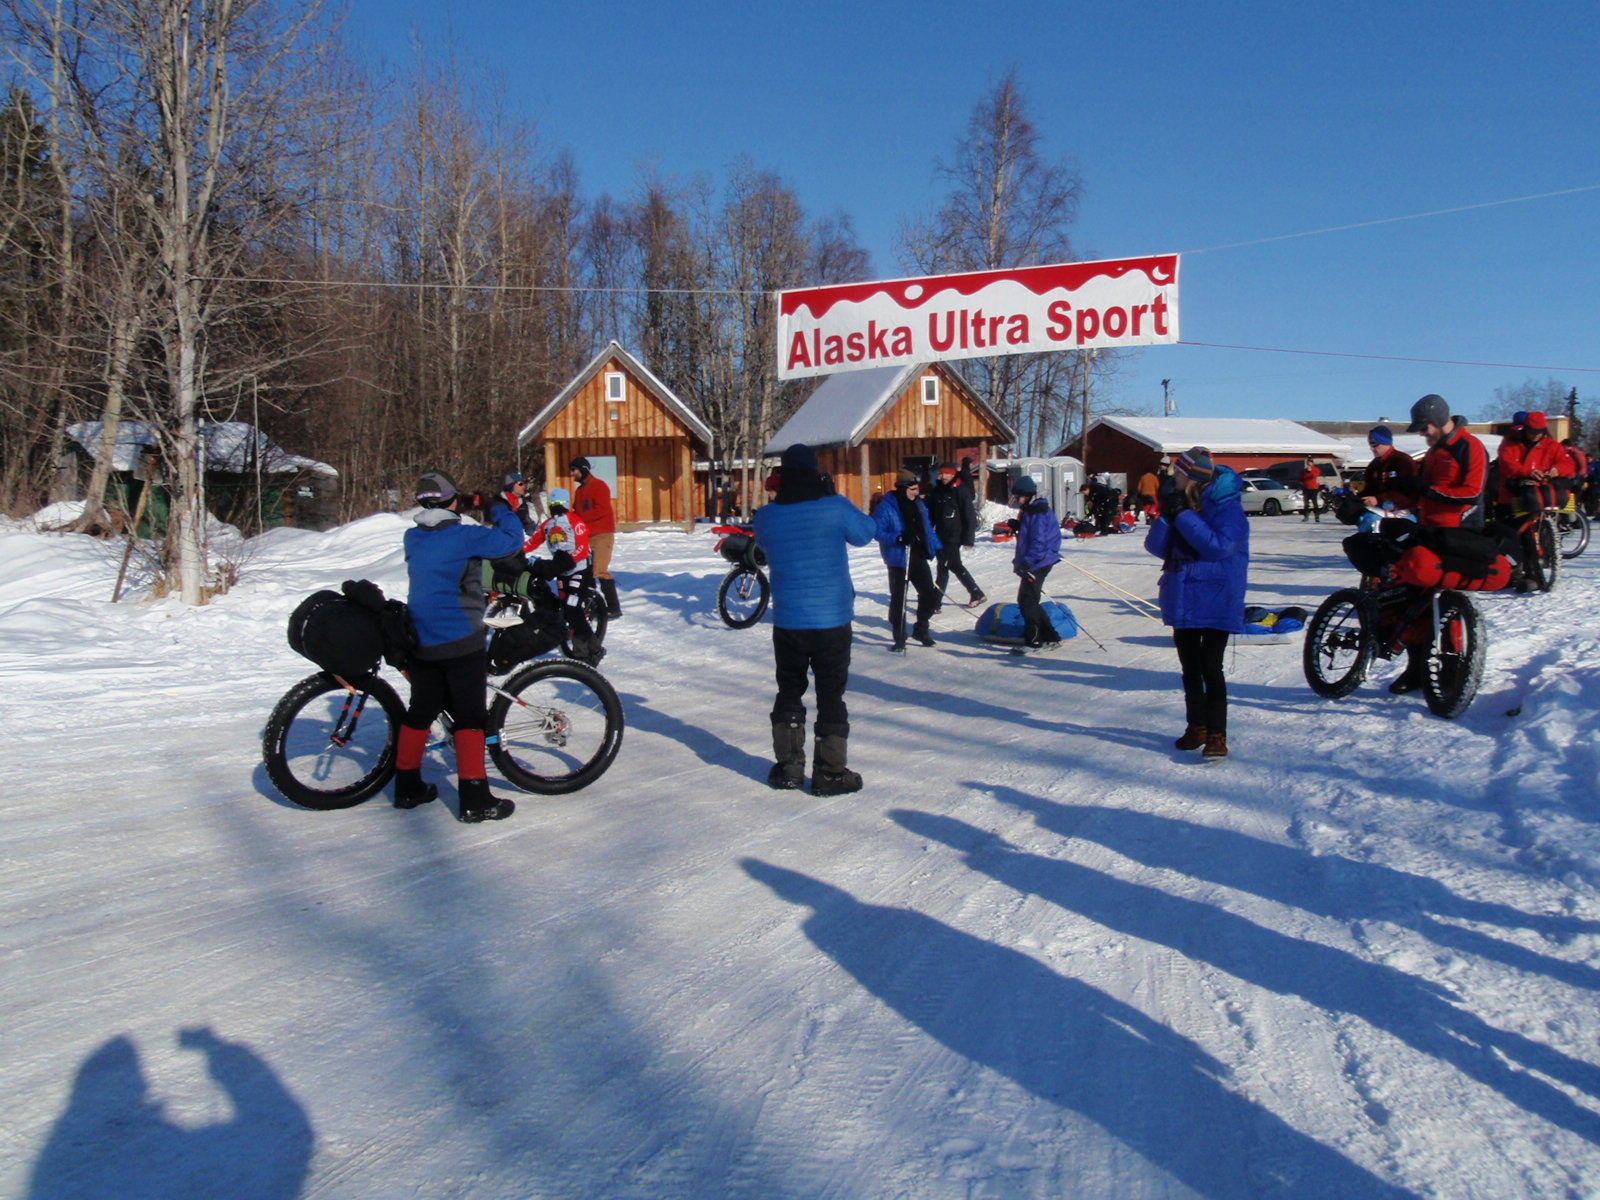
(1438, 212)
(1444, 362)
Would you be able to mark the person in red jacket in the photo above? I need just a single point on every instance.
(1580, 471)
(1311, 487)
(1532, 473)
(591, 504)
(1449, 491)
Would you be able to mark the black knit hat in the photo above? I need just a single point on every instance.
(799, 457)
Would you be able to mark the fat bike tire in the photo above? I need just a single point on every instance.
(327, 747)
(1546, 559)
(1338, 645)
(1454, 666)
(1573, 531)
(555, 726)
(742, 597)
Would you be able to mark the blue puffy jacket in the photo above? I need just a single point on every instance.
(891, 525)
(1205, 559)
(805, 544)
(1038, 537)
(443, 559)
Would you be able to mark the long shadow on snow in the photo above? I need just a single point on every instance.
(1071, 1045)
(115, 1140)
(1328, 885)
(707, 746)
(563, 1091)
(1419, 1013)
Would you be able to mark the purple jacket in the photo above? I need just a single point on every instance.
(1038, 537)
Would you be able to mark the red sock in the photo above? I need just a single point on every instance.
(469, 754)
(409, 748)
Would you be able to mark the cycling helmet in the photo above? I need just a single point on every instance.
(511, 480)
(435, 489)
(560, 496)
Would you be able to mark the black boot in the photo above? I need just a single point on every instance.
(608, 589)
(920, 632)
(410, 791)
(789, 749)
(829, 775)
(478, 805)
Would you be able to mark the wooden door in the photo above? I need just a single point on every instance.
(652, 482)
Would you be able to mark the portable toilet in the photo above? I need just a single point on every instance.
(1039, 469)
(1069, 477)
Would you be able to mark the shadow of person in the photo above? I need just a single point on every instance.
(1073, 1046)
(114, 1139)
(1330, 885)
(1416, 1011)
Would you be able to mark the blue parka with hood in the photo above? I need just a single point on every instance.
(1205, 558)
(1038, 537)
(444, 561)
(891, 527)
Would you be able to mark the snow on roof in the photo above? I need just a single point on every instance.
(228, 447)
(846, 406)
(1226, 435)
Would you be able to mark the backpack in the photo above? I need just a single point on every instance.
(348, 632)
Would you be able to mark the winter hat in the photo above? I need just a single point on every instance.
(560, 496)
(1024, 485)
(1536, 420)
(904, 478)
(1380, 435)
(949, 468)
(799, 457)
(774, 482)
(435, 489)
(1432, 409)
(1195, 462)
(512, 479)
(579, 464)
(1519, 419)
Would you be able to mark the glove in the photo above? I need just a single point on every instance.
(1173, 503)
(1021, 572)
(563, 562)
(1013, 524)
(901, 541)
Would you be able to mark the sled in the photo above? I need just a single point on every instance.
(1003, 622)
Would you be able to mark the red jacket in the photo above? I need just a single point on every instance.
(1519, 460)
(1453, 475)
(591, 502)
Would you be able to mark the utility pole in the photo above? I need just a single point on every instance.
(1166, 398)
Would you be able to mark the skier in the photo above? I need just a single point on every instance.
(907, 541)
(449, 665)
(955, 520)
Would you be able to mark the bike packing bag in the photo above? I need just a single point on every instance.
(1370, 553)
(540, 632)
(741, 548)
(342, 637)
(394, 620)
(1425, 567)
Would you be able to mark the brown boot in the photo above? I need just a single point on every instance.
(1193, 738)
(1216, 746)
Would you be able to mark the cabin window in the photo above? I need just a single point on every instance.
(614, 387)
(930, 389)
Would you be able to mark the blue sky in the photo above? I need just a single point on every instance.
(1197, 127)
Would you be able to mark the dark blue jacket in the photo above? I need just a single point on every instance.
(805, 544)
(1205, 559)
(891, 525)
(1038, 537)
(444, 562)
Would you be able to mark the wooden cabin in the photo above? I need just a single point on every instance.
(1133, 445)
(866, 425)
(639, 437)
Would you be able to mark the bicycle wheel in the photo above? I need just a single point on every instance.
(1454, 666)
(325, 747)
(1338, 646)
(742, 598)
(1572, 529)
(1544, 563)
(555, 726)
(594, 609)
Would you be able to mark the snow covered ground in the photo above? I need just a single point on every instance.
(1042, 954)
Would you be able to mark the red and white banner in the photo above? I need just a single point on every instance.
(1026, 310)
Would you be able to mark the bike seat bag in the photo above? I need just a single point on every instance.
(342, 637)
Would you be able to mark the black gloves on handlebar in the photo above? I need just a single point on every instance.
(562, 562)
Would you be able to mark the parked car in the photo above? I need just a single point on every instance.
(1288, 472)
(1268, 497)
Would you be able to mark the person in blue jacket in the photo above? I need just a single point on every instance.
(444, 560)
(1038, 548)
(907, 542)
(1203, 542)
(805, 533)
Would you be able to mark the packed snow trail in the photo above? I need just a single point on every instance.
(1042, 954)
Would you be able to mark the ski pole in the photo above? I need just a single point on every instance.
(1046, 596)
